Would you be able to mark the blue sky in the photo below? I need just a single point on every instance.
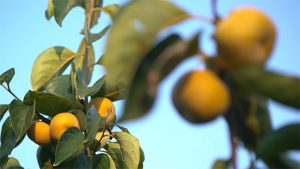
(169, 142)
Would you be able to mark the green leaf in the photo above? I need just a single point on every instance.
(93, 37)
(221, 164)
(96, 14)
(86, 68)
(156, 65)
(44, 157)
(49, 104)
(70, 143)
(81, 118)
(111, 9)
(83, 162)
(21, 117)
(94, 123)
(111, 92)
(84, 91)
(12, 163)
(274, 85)
(3, 110)
(114, 150)
(130, 149)
(49, 64)
(60, 86)
(103, 160)
(63, 7)
(50, 10)
(279, 141)
(7, 76)
(136, 25)
(142, 159)
(8, 139)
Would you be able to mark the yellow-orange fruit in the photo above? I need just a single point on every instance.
(60, 123)
(104, 106)
(201, 96)
(245, 37)
(39, 132)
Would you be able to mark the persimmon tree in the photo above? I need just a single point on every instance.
(235, 85)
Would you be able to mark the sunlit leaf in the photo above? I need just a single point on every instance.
(103, 160)
(63, 7)
(83, 162)
(94, 123)
(93, 37)
(12, 163)
(155, 66)
(50, 10)
(281, 140)
(7, 76)
(114, 150)
(3, 110)
(221, 164)
(130, 149)
(111, 9)
(43, 101)
(60, 86)
(70, 143)
(133, 34)
(79, 61)
(8, 139)
(84, 91)
(270, 84)
(21, 117)
(49, 64)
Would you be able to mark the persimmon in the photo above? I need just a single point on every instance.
(39, 132)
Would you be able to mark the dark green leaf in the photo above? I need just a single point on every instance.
(43, 101)
(281, 161)
(83, 162)
(133, 34)
(7, 76)
(3, 161)
(49, 64)
(63, 7)
(70, 143)
(130, 149)
(21, 117)
(44, 157)
(79, 62)
(84, 91)
(81, 118)
(114, 150)
(50, 10)
(282, 88)
(60, 86)
(156, 65)
(93, 37)
(3, 110)
(94, 123)
(12, 163)
(281, 140)
(142, 159)
(8, 139)
(103, 160)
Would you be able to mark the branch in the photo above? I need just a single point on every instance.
(8, 89)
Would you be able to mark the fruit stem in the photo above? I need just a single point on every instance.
(8, 89)
(99, 141)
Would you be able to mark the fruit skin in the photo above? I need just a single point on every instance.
(103, 106)
(60, 123)
(39, 132)
(246, 36)
(200, 96)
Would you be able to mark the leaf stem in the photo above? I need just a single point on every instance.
(233, 150)
(8, 89)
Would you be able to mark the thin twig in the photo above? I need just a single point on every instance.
(8, 89)
(233, 150)
(215, 11)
